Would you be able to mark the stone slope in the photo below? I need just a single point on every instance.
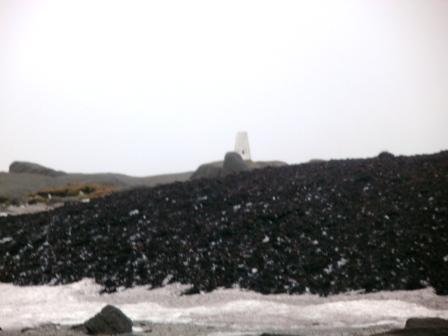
(325, 227)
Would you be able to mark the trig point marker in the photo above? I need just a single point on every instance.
(242, 145)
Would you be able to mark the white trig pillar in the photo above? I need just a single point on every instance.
(242, 145)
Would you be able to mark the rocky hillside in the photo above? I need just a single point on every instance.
(324, 227)
(33, 168)
(17, 187)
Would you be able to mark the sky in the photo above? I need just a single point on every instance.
(152, 87)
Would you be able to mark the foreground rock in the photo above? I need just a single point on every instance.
(421, 327)
(110, 321)
(323, 228)
(33, 168)
(145, 329)
(43, 330)
(416, 332)
(431, 323)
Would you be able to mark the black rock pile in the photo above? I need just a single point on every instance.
(323, 227)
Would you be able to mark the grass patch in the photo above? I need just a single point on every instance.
(73, 190)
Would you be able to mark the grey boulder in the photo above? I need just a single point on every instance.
(421, 327)
(426, 323)
(233, 163)
(109, 321)
(207, 171)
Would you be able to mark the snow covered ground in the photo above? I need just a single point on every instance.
(232, 309)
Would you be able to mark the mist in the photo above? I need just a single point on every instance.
(147, 88)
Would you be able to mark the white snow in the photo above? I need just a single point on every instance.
(3, 214)
(5, 240)
(342, 262)
(134, 212)
(167, 280)
(243, 310)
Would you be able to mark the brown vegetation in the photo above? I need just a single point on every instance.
(72, 190)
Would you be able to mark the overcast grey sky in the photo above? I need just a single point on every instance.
(148, 87)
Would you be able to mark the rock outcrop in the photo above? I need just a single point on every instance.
(421, 327)
(208, 170)
(233, 163)
(324, 228)
(428, 322)
(33, 168)
(110, 321)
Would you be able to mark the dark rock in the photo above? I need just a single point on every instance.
(386, 156)
(208, 171)
(33, 168)
(341, 225)
(109, 321)
(233, 163)
(416, 332)
(216, 170)
(430, 322)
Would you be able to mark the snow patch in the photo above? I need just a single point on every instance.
(134, 212)
(5, 240)
(75, 303)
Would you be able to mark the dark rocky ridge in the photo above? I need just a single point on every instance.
(21, 167)
(326, 227)
(232, 163)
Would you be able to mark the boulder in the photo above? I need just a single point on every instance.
(386, 156)
(415, 332)
(426, 323)
(207, 171)
(109, 321)
(421, 327)
(233, 163)
(33, 168)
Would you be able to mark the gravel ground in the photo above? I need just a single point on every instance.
(325, 228)
(195, 330)
(143, 329)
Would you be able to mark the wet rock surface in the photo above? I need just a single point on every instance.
(325, 227)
